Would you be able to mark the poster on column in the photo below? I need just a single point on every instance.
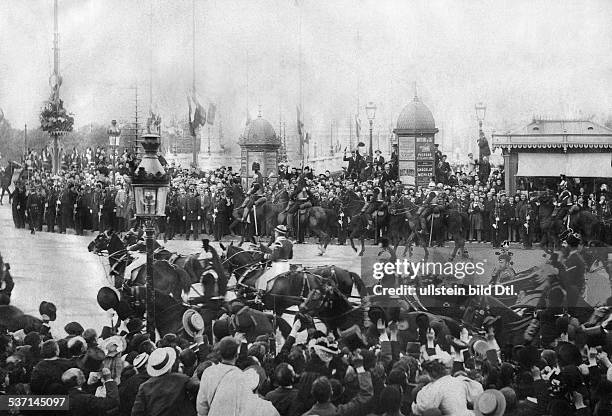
(424, 160)
(406, 159)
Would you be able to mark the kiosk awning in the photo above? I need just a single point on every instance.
(580, 165)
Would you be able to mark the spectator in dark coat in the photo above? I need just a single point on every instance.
(129, 387)
(166, 392)
(283, 396)
(82, 403)
(47, 374)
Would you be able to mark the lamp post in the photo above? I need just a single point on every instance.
(371, 113)
(114, 138)
(481, 109)
(150, 184)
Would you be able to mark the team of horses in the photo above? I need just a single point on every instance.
(326, 293)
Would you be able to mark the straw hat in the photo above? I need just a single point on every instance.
(490, 403)
(161, 361)
(192, 322)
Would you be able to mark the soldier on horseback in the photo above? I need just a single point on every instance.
(280, 253)
(301, 199)
(255, 197)
(503, 271)
(427, 208)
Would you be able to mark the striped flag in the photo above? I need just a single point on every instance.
(358, 126)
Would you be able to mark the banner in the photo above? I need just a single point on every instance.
(14, 179)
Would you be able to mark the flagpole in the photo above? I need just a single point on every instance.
(151, 55)
(193, 73)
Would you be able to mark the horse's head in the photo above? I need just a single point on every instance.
(100, 243)
(318, 298)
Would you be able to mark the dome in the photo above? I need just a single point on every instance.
(416, 116)
(260, 131)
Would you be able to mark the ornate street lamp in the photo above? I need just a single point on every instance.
(150, 184)
(371, 114)
(114, 138)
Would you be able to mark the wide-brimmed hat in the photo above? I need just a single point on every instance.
(108, 298)
(140, 360)
(49, 309)
(161, 361)
(114, 340)
(281, 229)
(192, 322)
(490, 403)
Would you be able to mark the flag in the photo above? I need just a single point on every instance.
(1, 115)
(358, 126)
(210, 117)
(197, 114)
(300, 128)
(300, 125)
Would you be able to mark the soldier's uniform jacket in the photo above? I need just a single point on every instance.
(191, 210)
(281, 249)
(574, 269)
(34, 203)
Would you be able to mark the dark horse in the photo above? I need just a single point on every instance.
(405, 226)
(168, 311)
(582, 221)
(289, 286)
(167, 278)
(550, 225)
(333, 308)
(13, 319)
(465, 308)
(358, 220)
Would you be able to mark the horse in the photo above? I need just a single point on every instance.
(333, 308)
(168, 310)
(275, 210)
(465, 308)
(255, 224)
(358, 221)
(13, 319)
(321, 221)
(585, 222)
(550, 225)
(166, 277)
(455, 223)
(404, 221)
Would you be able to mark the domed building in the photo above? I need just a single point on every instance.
(259, 146)
(415, 131)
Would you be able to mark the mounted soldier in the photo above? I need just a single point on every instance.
(301, 200)
(427, 208)
(255, 197)
(281, 251)
(503, 271)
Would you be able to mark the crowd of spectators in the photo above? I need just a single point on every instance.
(405, 368)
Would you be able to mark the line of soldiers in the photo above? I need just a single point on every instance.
(59, 207)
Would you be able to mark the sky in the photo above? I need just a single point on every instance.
(520, 57)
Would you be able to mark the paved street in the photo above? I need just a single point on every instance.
(58, 268)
